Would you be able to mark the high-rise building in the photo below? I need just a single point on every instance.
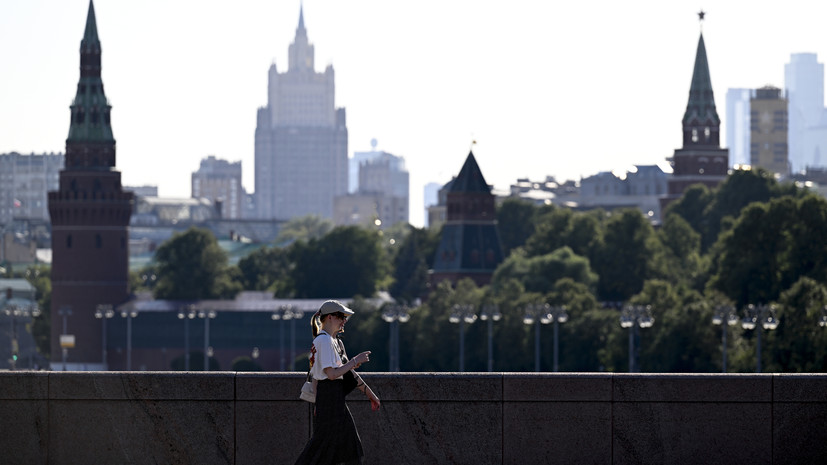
(24, 183)
(804, 84)
(220, 182)
(701, 160)
(381, 193)
(301, 139)
(737, 126)
(768, 130)
(89, 212)
(470, 245)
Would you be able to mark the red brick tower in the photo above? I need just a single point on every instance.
(90, 213)
(701, 160)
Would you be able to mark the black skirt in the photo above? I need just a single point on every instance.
(335, 440)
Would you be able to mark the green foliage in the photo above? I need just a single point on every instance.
(346, 262)
(799, 344)
(515, 222)
(303, 228)
(266, 268)
(623, 260)
(192, 266)
(770, 246)
(539, 273)
(410, 265)
(41, 326)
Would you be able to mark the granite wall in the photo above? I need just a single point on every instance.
(446, 418)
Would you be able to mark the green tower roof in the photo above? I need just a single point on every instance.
(701, 104)
(90, 108)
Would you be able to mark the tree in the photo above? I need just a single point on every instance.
(303, 228)
(266, 268)
(41, 326)
(539, 273)
(770, 246)
(623, 260)
(515, 222)
(799, 344)
(346, 262)
(410, 265)
(192, 266)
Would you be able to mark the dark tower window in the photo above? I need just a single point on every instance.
(95, 116)
(707, 132)
(69, 241)
(98, 241)
(79, 116)
(694, 135)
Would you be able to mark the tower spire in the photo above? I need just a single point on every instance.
(701, 124)
(90, 108)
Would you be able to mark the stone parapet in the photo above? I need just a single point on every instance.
(473, 418)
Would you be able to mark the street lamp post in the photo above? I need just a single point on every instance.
(104, 312)
(187, 315)
(462, 314)
(65, 312)
(26, 310)
(394, 314)
(763, 315)
(634, 317)
(129, 315)
(724, 316)
(286, 313)
(535, 314)
(490, 313)
(207, 315)
(558, 315)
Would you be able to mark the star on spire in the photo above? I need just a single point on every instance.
(701, 15)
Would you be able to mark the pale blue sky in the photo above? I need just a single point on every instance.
(546, 88)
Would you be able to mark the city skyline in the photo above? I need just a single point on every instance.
(563, 90)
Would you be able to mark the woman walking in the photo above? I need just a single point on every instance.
(335, 440)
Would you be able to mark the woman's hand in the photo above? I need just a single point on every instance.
(374, 401)
(361, 358)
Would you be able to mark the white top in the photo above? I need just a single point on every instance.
(326, 355)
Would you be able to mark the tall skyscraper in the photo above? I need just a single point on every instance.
(768, 130)
(220, 182)
(737, 126)
(90, 212)
(804, 83)
(301, 139)
(701, 160)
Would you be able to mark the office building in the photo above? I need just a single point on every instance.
(25, 181)
(301, 139)
(219, 181)
(804, 84)
(737, 126)
(768, 130)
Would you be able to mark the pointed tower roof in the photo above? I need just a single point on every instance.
(90, 108)
(470, 178)
(701, 104)
(90, 35)
(301, 17)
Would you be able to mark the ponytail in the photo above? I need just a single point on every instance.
(316, 323)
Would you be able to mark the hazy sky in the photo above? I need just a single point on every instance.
(545, 88)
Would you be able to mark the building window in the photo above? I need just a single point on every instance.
(98, 241)
(69, 241)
